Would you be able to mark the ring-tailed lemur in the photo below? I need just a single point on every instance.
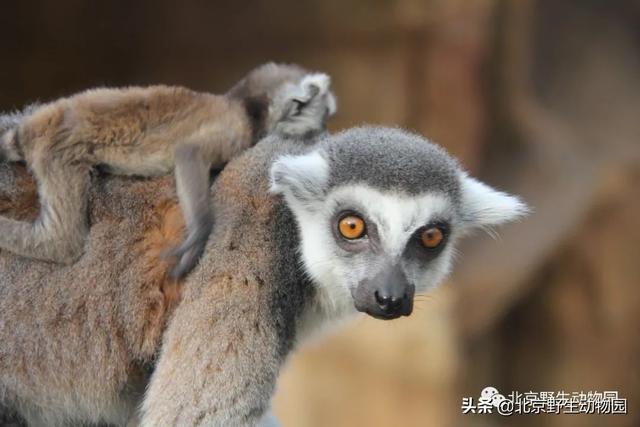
(305, 235)
(357, 223)
(146, 132)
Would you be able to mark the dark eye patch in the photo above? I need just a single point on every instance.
(416, 249)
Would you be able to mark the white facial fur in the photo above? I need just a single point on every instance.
(396, 219)
(303, 181)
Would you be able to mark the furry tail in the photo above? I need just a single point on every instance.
(9, 124)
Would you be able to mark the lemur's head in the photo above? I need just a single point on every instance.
(286, 100)
(379, 211)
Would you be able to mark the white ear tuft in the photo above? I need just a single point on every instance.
(318, 84)
(484, 206)
(332, 104)
(320, 81)
(301, 178)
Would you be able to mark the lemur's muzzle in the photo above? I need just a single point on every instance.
(388, 295)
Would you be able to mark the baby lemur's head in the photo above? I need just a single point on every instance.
(286, 100)
(379, 211)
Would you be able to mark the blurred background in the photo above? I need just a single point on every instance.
(540, 98)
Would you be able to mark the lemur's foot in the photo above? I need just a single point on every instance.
(187, 254)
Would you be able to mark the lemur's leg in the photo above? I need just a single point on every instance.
(219, 362)
(192, 184)
(59, 232)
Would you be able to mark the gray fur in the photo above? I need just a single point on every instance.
(13, 119)
(266, 80)
(280, 99)
(9, 123)
(391, 159)
(192, 180)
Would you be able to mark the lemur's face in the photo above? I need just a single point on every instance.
(379, 211)
(381, 246)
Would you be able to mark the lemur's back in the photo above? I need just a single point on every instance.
(252, 226)
(108, 308)
(111, 307)
(114, 124)
(239, 309)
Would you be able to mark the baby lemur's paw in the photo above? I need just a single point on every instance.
(188, 253)
(186, 262)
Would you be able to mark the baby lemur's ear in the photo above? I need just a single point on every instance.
(483, 206)
(313, 87)
(301, 179)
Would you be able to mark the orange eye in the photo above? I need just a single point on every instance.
(351, 227)
(431, 237)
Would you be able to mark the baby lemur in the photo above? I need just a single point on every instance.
(148, 131)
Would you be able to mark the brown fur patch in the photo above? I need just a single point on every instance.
(164, 232)
(21, 204)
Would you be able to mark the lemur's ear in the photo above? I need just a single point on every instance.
(311, 87)
(484, 206)
(300, 178)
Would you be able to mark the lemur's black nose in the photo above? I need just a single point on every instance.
(389, 303)
(393, 293)
(387, 295)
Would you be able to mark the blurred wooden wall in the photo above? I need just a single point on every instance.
(540, 98)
